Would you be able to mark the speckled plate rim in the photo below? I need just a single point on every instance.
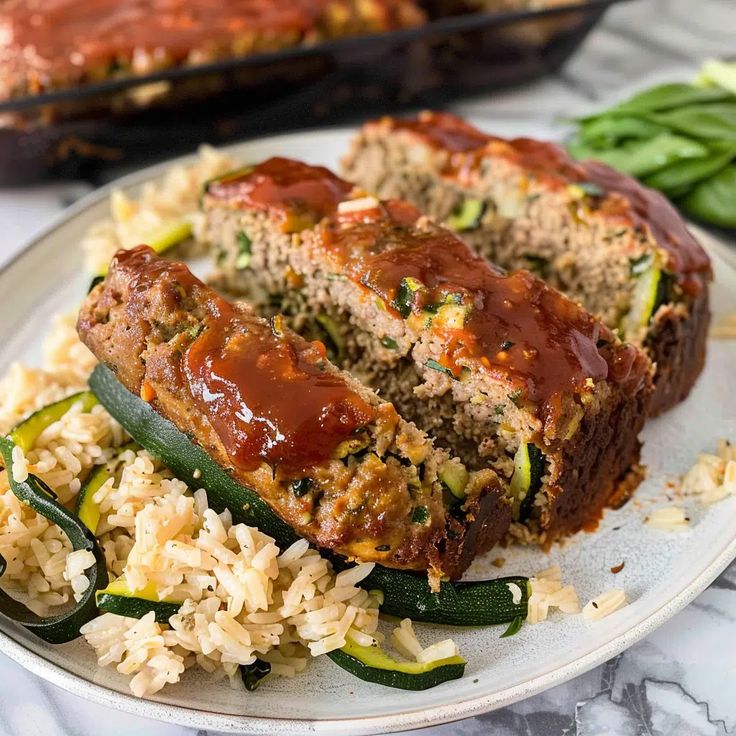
(433, 715)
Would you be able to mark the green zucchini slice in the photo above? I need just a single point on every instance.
(254, 674)
(483, 603)
(650, 292)
(169, 234)
(526, 480)
(65, 626)
(86, 508)
(373, 664)
(455, 478)
(466, 216)
(118, 598)
(163, 238)
(27, 432)
(405, 594)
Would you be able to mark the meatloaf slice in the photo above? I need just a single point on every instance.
(602, 238)
(333, 460)
(501, 369)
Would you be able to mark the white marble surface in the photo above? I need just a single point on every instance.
(680, 681)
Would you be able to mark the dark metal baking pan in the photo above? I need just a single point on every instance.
(82, 131)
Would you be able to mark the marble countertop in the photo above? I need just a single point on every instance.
(681, 680)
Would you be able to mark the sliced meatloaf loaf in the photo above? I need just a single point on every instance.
(331, 458)
(602, 238)
(52, 44)
(502, 369)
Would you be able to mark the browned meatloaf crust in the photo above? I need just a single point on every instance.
(585, 228)
(52, 44)
(676, 344)
(491, 365)
(334, 461)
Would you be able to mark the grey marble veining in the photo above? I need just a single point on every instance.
(681, 680)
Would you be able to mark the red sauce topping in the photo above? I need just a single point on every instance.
(626, 198)
(544, 158)
(287, 187)
(443, 130)
(64, 36)
(517, 327)
(269, 398)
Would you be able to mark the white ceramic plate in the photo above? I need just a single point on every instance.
(663, 572)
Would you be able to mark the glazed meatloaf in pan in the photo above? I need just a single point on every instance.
(502, 369)
(331, 458)
(54, 44)
(602, 238)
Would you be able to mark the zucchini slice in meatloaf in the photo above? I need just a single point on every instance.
(334, 461)
(617, 247)
(502, 369)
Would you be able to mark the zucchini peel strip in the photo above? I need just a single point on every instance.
(86, 508)
(118, 598)
(373, 664)
(64, 626)
(27, 432)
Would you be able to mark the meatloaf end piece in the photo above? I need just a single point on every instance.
(333, 460)
(602, 238)
(496, 367)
